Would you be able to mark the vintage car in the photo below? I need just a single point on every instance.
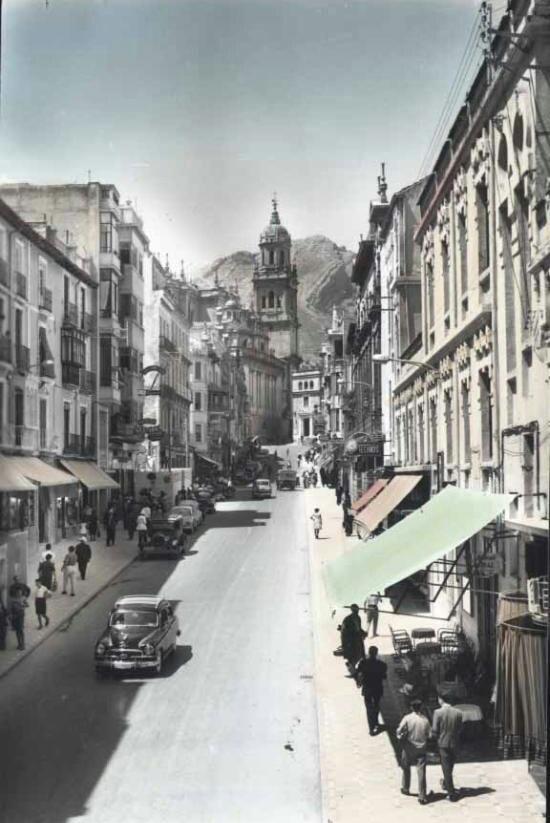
(142, 631)
(166, 537)
(190, 513)
(261, 488)
(205, 501)
(287, 479)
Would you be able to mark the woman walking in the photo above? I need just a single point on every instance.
(317, 522)
(41, 594)
(141, 528)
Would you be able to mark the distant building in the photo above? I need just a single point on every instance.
(333, 367)
(306, 403)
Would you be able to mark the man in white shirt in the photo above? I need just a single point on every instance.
(371, 607)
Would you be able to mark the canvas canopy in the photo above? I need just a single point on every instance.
(89, 474)
(11, 479)
(370, 494)
(387, 500)
(35, 469)
(443, 523)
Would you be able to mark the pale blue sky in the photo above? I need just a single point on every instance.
(199, 109)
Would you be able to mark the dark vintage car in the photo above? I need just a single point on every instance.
(166, 537)
(142, 631)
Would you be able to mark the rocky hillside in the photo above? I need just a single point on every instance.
(324, 271)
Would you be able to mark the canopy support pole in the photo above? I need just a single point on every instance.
(449, 572)
(466, 586)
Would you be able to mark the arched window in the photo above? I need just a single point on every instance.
(503, 153)
(517, 134)
(300, 386)
(264, 301)
(311, 384)
(281, 258)
(271, 257)
(271, 300)
(279, 303)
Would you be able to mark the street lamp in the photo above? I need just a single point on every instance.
(382, 359)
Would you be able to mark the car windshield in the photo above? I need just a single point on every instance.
(264, 483)
(183, 510)
(125, 617)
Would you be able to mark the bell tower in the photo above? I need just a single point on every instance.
(276, 288)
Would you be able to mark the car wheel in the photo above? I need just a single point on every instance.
(159, 662)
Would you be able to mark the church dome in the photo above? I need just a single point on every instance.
(274, 232)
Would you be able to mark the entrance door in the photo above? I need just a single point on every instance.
(306, 426)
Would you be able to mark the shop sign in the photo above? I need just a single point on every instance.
(155, 433)
(366, 449)
(489, 565)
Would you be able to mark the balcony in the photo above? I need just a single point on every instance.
(165, 344)
(20, 284)
(5, 349)
(87, 381)
(22, 358)
(20, 436)
(45, 301)
(78, 446)
(47, 370)
(87, 323)
(4, 275)
(70, 374)
(70, 315)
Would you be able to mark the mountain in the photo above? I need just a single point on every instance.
(324, 271)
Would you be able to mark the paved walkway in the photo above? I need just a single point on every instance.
(359, 773)
(106, 564)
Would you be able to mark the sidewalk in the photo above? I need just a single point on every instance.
(104, 566)
(360, 774)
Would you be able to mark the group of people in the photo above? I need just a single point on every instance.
(45, 585)
(415, 732)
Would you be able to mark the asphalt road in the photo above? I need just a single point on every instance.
(227, 733)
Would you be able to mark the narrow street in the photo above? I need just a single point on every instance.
(227, 733)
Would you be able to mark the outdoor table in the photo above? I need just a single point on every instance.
(422, 634)
(428, 647)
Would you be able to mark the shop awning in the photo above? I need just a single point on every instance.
(387, 500)
(429, 533)
(212, 464)
(89, 474)
(370, 494)
(11, 479)
(40, 472)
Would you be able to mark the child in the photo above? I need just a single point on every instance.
(317, 522)
(41, 593)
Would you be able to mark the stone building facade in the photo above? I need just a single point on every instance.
(308, 420)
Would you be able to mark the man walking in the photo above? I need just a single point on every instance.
(446, 728)
(414, 733)
(17, 618)
(69, 570)
(371, 608)
(109, 521)
(371, 675)
(352, 634)
(83, 556)
(317, 522)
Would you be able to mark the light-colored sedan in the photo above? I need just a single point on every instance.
(191, 515)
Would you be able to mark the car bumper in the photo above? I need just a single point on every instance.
(124, 665)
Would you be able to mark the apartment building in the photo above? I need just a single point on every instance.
(308, 419)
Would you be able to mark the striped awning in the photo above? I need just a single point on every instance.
(40, 472)
(370, 494)
(387, 500)
(11, 479)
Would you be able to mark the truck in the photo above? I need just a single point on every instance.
(287, 479)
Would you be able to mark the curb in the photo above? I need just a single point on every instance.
(68, 617)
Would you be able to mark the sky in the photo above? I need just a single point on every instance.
(198, 110)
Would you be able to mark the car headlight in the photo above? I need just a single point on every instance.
(101, 648)
(149, 649)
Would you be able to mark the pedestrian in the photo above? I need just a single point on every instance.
(3, 625)
(69, 570)
(83, 556)
(18, 605)
(414, 733)
(339, 491)
(48, 550)
(83, 532)
(347, 499)
(109, 521)
(371, 608)
(41, 594)
(46, 572)
(446, 728)
(317, 522)
(93, 530)
(371, 673)
(352, 638)
(323, 476)
(18, 589)
(141, 528)
(131, 520)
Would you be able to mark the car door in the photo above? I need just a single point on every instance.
(172, 630)
(165, 624)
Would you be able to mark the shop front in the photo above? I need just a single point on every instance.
(97, 487)
(18, 529)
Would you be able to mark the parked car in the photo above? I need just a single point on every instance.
(166, 537)
(141, 632)
(191, 515)
(261, 488)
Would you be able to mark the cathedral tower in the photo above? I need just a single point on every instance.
(276, 289)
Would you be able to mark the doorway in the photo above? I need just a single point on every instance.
(305, 426)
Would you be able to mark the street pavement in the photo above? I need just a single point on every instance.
(360, 774)
(227, 733)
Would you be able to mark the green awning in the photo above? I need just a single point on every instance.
(443, 523)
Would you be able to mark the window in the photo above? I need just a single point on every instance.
(306, 402)
(528, 472)
(82, 308)
(449, 425)
(43, 417)
(271, 300)
(463, 252)
(483, 234)
(66, 425)
(19, 258)
(279, 301)
(430, 293)
(108, 293)
(465, 408)
(264, 301)
(41, 276)
(198, 432)
(16, 511)
(197, 370)
(271, 257)
(108, 362)
(446, 276)
(433, 430)
(281, 258)
(509, 288)
(73, 348)
(106, 232)
(300, 385)
(420, 419)
(486, 416)
(198, 401)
